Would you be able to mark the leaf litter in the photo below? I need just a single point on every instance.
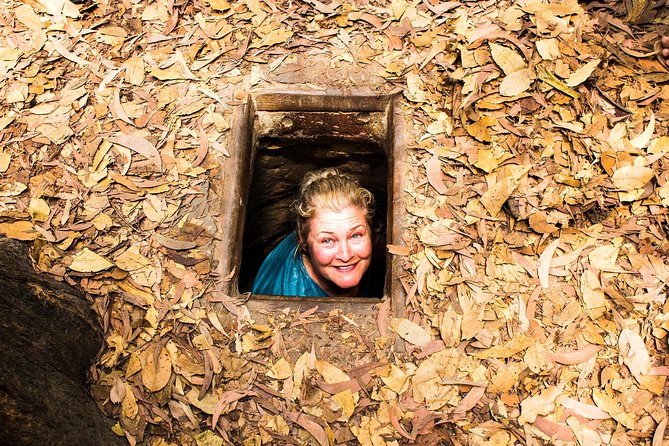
(535, 256)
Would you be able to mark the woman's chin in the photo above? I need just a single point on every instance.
(346, 283)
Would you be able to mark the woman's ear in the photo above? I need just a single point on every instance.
(301, 244)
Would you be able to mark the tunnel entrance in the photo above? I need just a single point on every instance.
(278, 138)
(277, 172)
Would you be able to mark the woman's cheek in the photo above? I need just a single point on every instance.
(322, 255)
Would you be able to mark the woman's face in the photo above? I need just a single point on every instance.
(340, 249)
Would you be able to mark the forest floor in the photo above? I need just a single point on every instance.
(535, 243)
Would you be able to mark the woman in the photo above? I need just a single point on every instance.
(331, 250)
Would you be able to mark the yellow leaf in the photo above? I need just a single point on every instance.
(280, 370)
(614, 408)
(132, 260)
(219, 5)
(604, 257)
(87, 261)
(507, 59)
(519, 343)
(634, 353)
(274, 37)
(346, 401)
(135, 70)
(118, 430)
(277, 423)
(548, 49)
(397, 380)
(541, 404)
(331, 373)
(414, 91)
(259, 338)
(554, 82)
(27, 16)
(208, 438)
(301, 371)
(129, 403)
(410, 331)
(499, 192)
(5, 160)
(156, 368)
(154, 208)
(207, 404)
(516, 83)
(582, 74)
(479, 129)
(19, 230)
(486, 160)
(442, 124)
(12, 189)
(102, 222)
(629, 178)
(593, 297)
(641, 141)
(658, 145)
(134, 365)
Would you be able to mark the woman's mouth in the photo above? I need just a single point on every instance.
(345, 268)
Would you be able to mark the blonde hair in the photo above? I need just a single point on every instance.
(332, 190)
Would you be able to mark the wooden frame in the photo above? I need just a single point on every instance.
(261, 115)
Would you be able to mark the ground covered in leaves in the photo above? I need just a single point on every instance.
(535, 256)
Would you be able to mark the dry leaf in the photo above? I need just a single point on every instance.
(434, 175)
(545, 263)
(542, 403)
(634, 353)
(507, 59)
(582, 74)
(548, 49)
(140, 145)
(19, 230)
(156, 367)
(280, 370)
(87, 261)
(629, 178)
(410, 331)
(576, 357)
(642, 141)
(614, 408)
(516, 83)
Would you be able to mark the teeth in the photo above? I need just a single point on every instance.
(345, 268)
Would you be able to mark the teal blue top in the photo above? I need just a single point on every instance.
(283, 273)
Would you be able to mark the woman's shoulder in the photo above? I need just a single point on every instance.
(282, 273)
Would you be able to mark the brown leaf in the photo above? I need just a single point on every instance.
(177, 245)
(19, 230)
(310, 426)
(576, 356)
(140, 145)
(434, 174)
(156, 367)
(410, 331)
(382, 317)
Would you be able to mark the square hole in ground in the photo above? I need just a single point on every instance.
(277, 139)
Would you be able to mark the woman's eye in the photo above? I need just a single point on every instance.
(326, 241)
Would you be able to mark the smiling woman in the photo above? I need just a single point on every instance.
(331, 251)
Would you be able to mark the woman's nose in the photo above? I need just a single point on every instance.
(345, 252)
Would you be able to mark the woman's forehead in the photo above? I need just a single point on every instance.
(330, 220)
